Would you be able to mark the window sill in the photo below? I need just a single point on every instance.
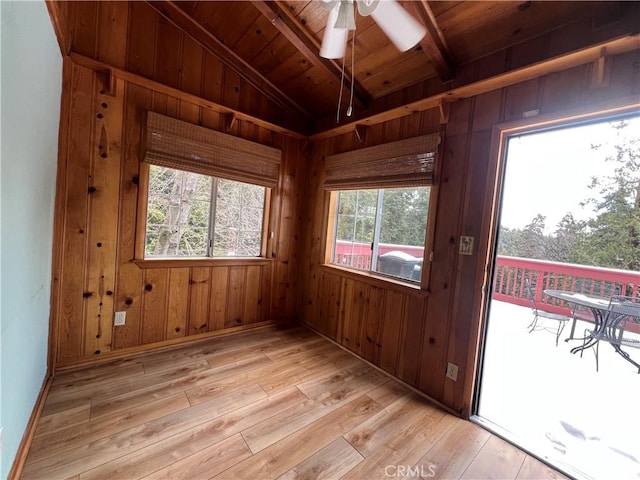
(201, 262)
(377, 280)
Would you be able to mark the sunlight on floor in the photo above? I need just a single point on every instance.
(556, 402)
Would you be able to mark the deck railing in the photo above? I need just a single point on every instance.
(361, 262)
(510, 273)
(358, 254)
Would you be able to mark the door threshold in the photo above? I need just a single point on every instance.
(529, 448)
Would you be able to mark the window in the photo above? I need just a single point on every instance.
(382, 230)
(202, 193)
(194, 215)
(381, 196)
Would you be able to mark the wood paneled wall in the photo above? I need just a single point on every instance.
(409, 334)
(97, 205)
(414, 336)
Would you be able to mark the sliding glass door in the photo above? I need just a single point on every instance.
(569, 220)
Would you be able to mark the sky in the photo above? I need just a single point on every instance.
(549, 173)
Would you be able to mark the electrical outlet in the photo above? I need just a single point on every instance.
(120, 319)
(452, 371)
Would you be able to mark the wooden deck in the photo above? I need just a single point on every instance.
(263, 404)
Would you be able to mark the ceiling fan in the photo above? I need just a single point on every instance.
(403, 30)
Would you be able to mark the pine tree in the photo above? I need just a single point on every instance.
(613, 238)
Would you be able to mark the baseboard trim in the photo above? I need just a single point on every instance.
(439, 404)
(27, 438)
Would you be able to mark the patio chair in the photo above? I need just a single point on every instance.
(621, 311)
(537, 313)
(578, 312)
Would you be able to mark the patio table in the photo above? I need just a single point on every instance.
(607, 314)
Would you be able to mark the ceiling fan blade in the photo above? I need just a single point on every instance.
(401, 28)
(334, 41)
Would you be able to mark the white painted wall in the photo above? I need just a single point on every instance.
(31, 83)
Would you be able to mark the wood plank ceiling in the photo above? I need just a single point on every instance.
(274, 45)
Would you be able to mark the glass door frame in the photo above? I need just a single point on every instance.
(498, 157)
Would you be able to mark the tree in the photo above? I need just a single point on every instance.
(565, 243)
(613, 238)
(177, 212)
(403, 217)
(508, 241)
(532, 242)
(238, 218)
(356, 215)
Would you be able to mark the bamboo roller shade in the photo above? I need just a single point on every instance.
(176, 144)
(404, 163)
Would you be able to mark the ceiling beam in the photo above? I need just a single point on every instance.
(433, 43)
(565, 61)
(169, 10)
(229, 115)
(282, 18)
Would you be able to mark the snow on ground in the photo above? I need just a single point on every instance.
(555, 402)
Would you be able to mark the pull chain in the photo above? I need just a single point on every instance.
(353, 48)
(340, 96)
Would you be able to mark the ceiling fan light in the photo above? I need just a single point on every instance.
(334, 41)
(346, 16)
(401, 28)
(366, 7)
(329, 5)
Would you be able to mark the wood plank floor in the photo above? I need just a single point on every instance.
(273, 403)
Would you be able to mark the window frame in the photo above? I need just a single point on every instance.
(266, 244)
(330, 221)
(401, 163)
